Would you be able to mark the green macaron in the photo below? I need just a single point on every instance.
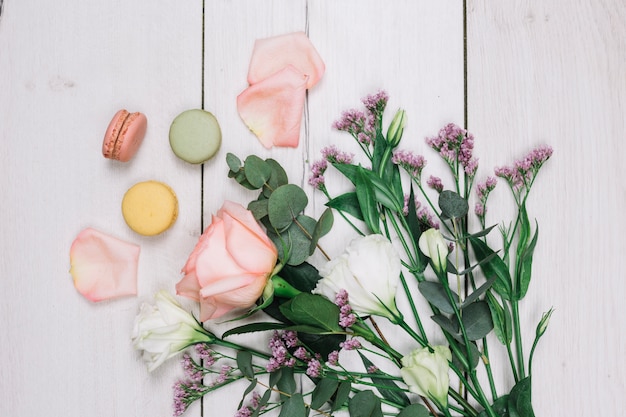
(195, 136)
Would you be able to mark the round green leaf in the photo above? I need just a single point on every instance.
(257, 171)
(285, 204)
(452, 205)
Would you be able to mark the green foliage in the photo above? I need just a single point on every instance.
(365, 404)
(386, 387)
(414, 410)
(323, 392)
(493, 267)
(519, 401)
(452, 205)
(347, 203)
(293, 407)
(244, 363)
(313, 310)
(367, 200)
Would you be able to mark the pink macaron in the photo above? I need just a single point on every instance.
(124, 135)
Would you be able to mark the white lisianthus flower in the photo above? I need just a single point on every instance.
(369, 271)
(164, 329)
(426, 373)
(433, 245)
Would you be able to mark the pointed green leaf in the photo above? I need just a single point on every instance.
(478, 292)
(293, 407)
(386, 387)
(322, 227)
(414, 410)
(262, 403)
(347, 203)
(254, 327)
(526, 263)
(416, 230)
(323, 392)
(343, 393)
(303, 277)
(519, 402)
(501, 318)
(436, 294)
(494, 267)
(365, 404)
(244, 363)
(383, 194)
(367, 201)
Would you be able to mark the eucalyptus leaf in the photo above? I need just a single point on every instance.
(293, 244)
(365, 404)
(414, 410)
(323, 392)
(436, 294)
(495, 266)
(452, 205)
(287, 383)
(293, 407)
(452, 327)
(477, 320)
(343, 394)
(234, 163)
(247, 391)
(499, 406)
(258, 208)
(262, 403)
(475, 354)
(244, 363)
(285, 204)
(257, 171)
(322, 227)
(277, 177)
(519, 402)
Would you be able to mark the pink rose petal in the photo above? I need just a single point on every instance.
(272, 109)
(102, 266)
(271, 55)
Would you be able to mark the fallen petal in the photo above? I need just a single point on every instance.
(102, 266)
(270, 55)
(272, 109)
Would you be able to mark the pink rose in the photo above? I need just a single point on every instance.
(230, 265)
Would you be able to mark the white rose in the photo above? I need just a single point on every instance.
(165, 329)
(426, 373)
(369, 271)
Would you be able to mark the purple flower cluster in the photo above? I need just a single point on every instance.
(350, 344)
(423, 214)
(455, 144)
(523, 172)
(186, 393)
(413, 164)
(362, 125)
(346, 317)
(483, 190)
(435, 183)
(193, 371)
(280, 354)
(329, 154)
(249, 409)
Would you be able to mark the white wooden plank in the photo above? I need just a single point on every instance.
(553, 72)
(65, 69)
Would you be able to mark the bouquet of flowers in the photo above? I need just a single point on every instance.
(326, 353)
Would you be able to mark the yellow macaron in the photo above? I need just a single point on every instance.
(150, 207)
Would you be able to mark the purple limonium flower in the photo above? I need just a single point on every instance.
(435, 183)
(192, 370)
(523, 172)
(350, 344)
(455, 144)
(376, 103)
(358, 124)
(333, 357)
(483, 190)
(317, 174)
(335, 156)
(185, 394)
(413, 164)
(346, 317)
(314, 368)
(205, 353)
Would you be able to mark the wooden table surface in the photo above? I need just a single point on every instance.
(516, 73)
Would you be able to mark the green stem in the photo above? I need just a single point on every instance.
(518, 339)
